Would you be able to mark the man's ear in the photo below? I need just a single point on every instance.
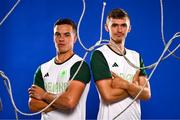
(106, 28)
(129, 29)
(75, 38)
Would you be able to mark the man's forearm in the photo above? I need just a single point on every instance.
(37, 105)
(62, 103)
(118, 96)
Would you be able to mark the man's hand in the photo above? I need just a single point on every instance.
(119, 82)
(36, 92)
(136, 78)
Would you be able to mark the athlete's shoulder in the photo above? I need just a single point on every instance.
(76, 57)
(48, 62)
(46, 65)
(104, 47)
(99, 50)
(131, 52)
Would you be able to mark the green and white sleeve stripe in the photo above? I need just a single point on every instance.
(38, 79)
(99, 66)
(84, 73)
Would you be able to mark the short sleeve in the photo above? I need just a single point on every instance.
(83, 74)
(38, 79)
(99, 66)
(143, 71)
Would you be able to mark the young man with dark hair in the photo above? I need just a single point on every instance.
(118, 82)
(52, 78)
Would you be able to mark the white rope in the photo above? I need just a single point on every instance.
(162, 29)
(176, 35)
(7, 15)
(9, 88)
(154, 64)
(97, 44)
(164, 51)
(79, 23)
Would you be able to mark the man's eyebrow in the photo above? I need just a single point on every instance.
(63, 33)
(67, 33)
(57, 33)
(123, 24)
(114, 23)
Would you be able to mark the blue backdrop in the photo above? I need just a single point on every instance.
(26, 41)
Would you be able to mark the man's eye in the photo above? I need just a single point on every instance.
(124, 25)
(57, 34)
(114, 25)
(67, 34)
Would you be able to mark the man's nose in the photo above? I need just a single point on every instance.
(61, 38)
(119, 28)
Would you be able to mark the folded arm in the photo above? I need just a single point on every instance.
(37, 105)
(135, 87)
(67, 101)
(110, 94)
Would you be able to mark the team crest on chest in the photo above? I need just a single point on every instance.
(63, 73)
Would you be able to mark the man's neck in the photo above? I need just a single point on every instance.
(62, 57)
(117, 47)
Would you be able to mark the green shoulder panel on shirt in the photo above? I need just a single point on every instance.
(38, 79)
(143, 71)
(84, 73)
(99, 66)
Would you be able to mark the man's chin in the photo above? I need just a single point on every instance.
(118, 41)
(62, 51)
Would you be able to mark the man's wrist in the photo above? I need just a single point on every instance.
(44, 96)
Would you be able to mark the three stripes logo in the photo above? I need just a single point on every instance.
(115, 65)
(46, 75)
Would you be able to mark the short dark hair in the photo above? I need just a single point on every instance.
(117, 14)
(68, 22)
